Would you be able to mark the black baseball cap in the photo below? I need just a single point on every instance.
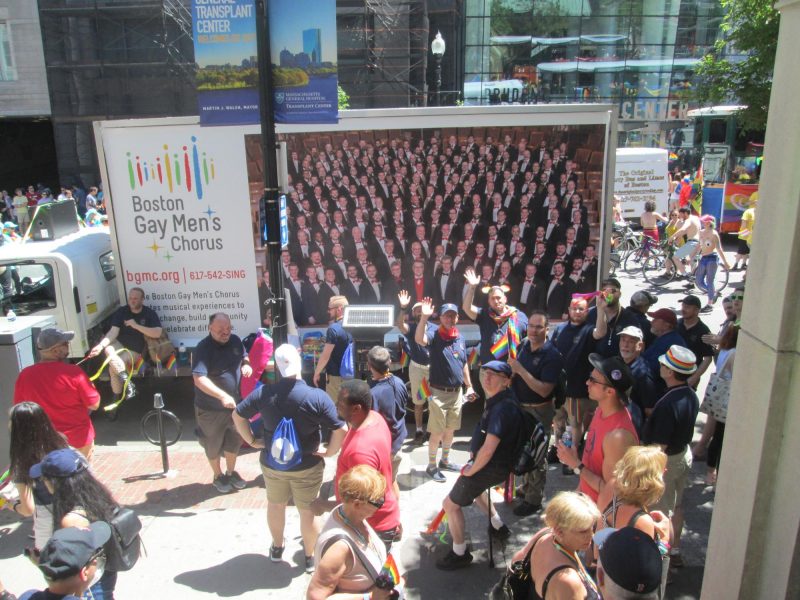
(630, 558)
(71, 548)
(692, 300)
(614, 370)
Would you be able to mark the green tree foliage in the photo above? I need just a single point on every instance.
(344, 98)
(750, 28)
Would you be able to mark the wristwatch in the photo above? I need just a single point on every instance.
(577, 470)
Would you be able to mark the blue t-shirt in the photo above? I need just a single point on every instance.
(502, 418)
(490, 332)
(574, 342)
(660, 346)
(221, 363)
(390, 398)
(340, 339)
(544, 364)
(419, 354)
(672, 421)
(311, 410)
(448, 358)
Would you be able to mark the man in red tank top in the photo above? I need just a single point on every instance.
(612, 431)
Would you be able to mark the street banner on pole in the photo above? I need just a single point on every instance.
(224, 33)
(303, 55)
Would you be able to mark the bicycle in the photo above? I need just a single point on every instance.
(635, 259)
(658, 268)
(624, 239)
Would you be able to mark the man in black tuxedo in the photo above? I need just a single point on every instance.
(559, 293)
(294, 284)
(351, 286)
(371, 289)
(447, 284)
(316, 313)
(532, 291)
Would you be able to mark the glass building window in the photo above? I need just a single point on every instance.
(8, 71)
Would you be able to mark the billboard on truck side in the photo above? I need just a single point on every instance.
(184, 210)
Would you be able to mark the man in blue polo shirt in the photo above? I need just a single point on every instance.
(493, 451)
(336, 342)
(664, 327)
(311, 411)
(389, 398)
(419, 359)
(495, 321)
(449, 373)
(536, 371)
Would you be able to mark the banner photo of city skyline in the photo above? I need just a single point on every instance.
(303, 56)
(225, 50)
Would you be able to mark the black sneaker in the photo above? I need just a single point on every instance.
(222, 484)
(500, 534)
(452, 561)
(435, 474)
(309, 564)
(236, 481)
(419, 438)
(526, 509)
(276, 553)
(565, 470)
(446, 465)
(552, 455)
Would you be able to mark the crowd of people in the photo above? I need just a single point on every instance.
(498, 234)
(371, 219)
(20, 207)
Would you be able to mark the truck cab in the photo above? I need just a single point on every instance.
(72, 278)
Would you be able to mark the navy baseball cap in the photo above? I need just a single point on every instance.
(448, 308)
(59, 463)
(498, 366)
(71, 548)
(630, 558)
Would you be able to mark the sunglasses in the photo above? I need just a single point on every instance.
(737, 297)
(598, 382)
(377, 503)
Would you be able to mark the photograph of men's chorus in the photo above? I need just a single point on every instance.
(375, 212)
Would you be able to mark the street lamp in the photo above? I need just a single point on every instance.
(437, 48)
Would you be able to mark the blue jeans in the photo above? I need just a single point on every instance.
(705, 274)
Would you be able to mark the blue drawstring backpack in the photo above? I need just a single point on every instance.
(284, 450)
(347, 368)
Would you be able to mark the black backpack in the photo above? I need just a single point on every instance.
(532, 444)
(125, 545)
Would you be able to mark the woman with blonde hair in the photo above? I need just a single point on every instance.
(349, 553)
(556, 571)
(638, 482)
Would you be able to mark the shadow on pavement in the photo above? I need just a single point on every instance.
(239, 575)
(14, 540)
(159, 502)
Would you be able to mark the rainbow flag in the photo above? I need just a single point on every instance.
(171, 362)
(391, 571)
(473, 358)
(404, 359)
(500, 348)
(513, 337)
(434, 525)
(424, 391)
(138, 366)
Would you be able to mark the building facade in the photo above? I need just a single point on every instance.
(637, 54)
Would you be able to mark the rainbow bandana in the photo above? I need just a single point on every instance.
(506, 343)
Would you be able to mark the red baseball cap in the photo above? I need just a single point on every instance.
(665, 314)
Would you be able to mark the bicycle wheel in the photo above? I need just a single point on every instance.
(172, 427)
(634, 261)
(654, 270)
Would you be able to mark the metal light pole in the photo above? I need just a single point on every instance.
(269, 203)
(437, 48)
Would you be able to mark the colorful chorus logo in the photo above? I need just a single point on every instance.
(178, 169)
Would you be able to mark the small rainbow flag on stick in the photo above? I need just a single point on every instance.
(424, 391)
(404, 359)
(138, 366)
(473, 358)
(171, 362)
(434, 525)
(390, 571)
(500, 348)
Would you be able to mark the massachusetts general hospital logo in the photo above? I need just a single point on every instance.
(279, 97)
(187, 167)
